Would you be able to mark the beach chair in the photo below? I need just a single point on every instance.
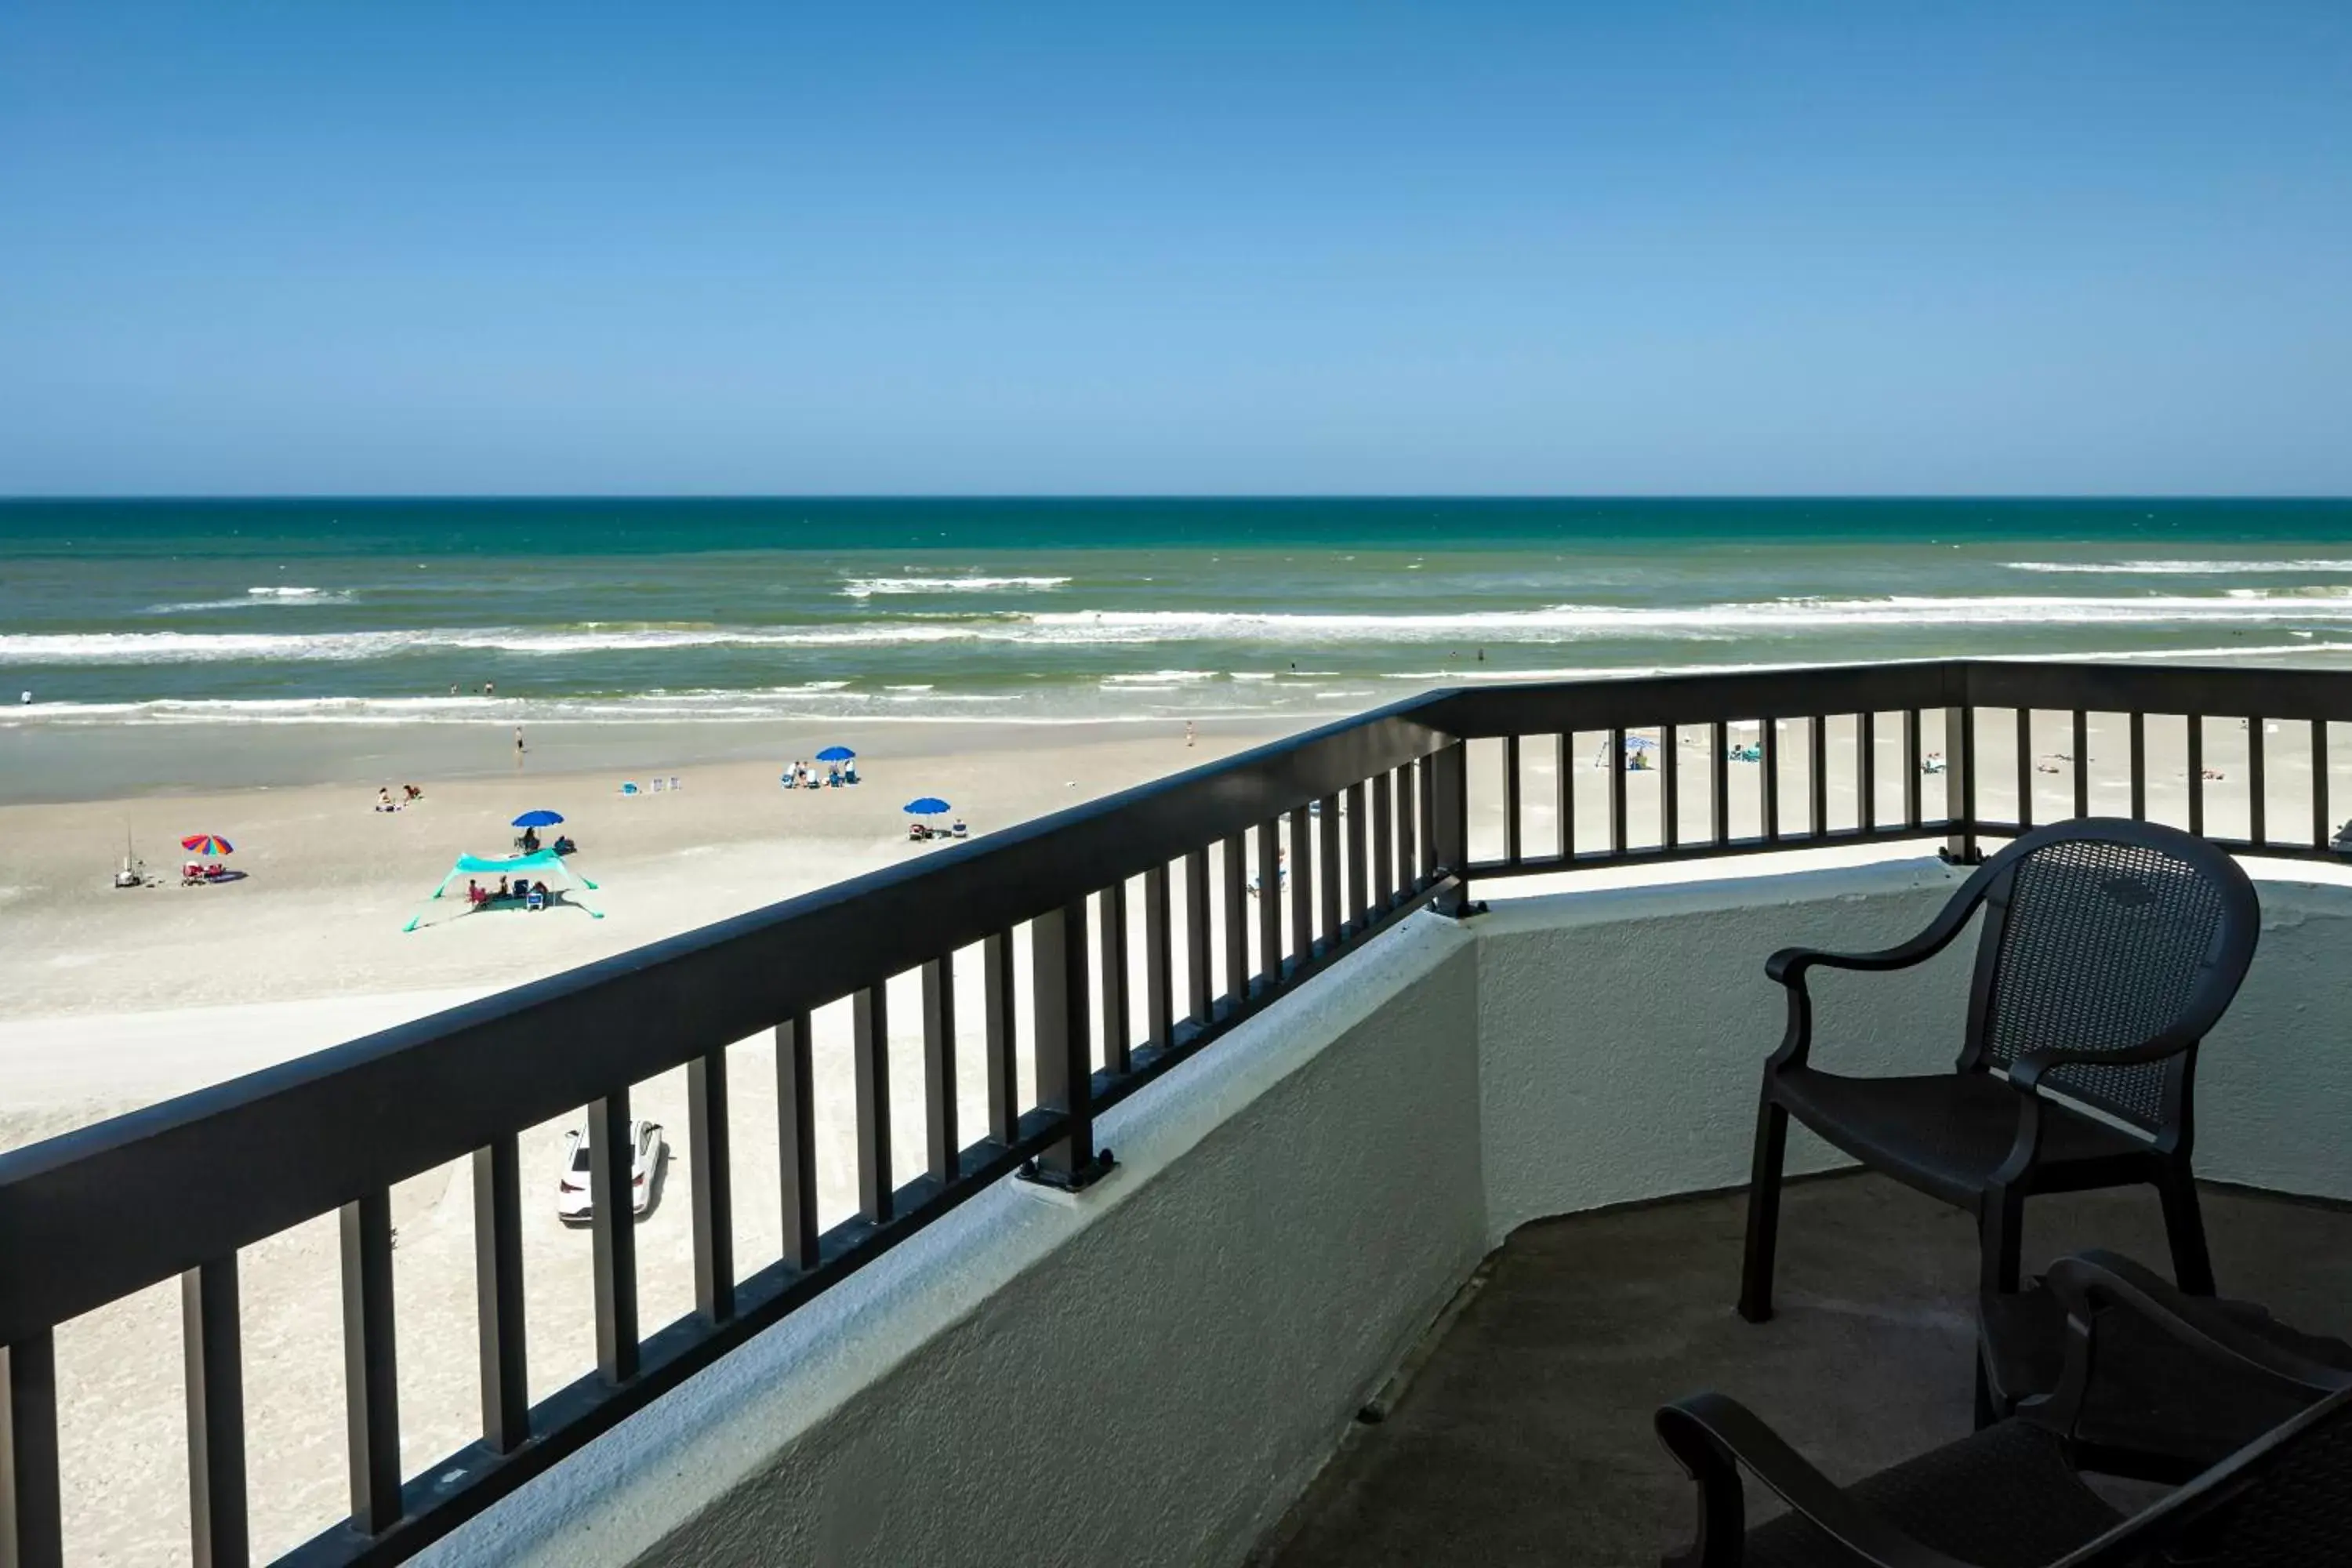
(657, 786)
(534, 900)
(2010, 1493)
(2109, 949)
(2160, 1415)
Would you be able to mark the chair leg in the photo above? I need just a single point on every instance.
(2184, 1226)
(1763, 1211)
(2001, 1240)
(1986, 1414)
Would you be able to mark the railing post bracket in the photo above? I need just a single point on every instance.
(1085, 1174)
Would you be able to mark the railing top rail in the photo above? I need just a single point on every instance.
(138, 1198)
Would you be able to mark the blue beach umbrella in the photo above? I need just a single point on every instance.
(540, 819)
(836, 754)
(928, 805)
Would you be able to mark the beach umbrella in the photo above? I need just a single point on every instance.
(542, 817)
(208, 844)
(1640, 743)
(928, 805)
(836, 754)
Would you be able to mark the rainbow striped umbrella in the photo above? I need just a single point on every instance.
(208, 844)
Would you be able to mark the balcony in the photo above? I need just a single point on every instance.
(1350, 1013)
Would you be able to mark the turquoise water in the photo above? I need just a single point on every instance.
(374, 610)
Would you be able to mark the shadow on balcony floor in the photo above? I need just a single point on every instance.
(1524, 1437)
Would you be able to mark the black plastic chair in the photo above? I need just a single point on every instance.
(2008, 1495)
(2109, 948)
(2157, 1413)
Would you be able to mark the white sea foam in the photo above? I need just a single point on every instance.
(2178, 568)
(257, 598)
(867, 587)
(1558, 622)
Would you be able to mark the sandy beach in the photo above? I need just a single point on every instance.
(118, 997)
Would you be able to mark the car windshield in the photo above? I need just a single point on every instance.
(579, 1156)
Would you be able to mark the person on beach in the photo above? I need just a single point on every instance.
(1188, 734)
(490, 688)
(517, 745)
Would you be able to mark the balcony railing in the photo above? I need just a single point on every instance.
(1286, 858)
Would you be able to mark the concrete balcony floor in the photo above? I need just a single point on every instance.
(1525, 1437)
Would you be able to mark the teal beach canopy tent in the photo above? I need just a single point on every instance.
(545, 866)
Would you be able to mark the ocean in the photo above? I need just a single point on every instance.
(385, 612)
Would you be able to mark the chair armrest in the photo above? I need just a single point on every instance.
(2027, 1072)
(1789, 965)
(2089, 1280)
(1709, 1433)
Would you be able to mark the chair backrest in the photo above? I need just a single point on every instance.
(2281, 1501)
(2104, 934)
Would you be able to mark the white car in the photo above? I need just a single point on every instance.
(649, 1151)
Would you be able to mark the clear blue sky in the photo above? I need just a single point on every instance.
(492, 247)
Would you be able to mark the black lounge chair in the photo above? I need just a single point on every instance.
(2156, 1414)
(2009, 1496)
(2109, 949)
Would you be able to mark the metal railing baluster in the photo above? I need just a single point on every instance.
(1914, 766)
(1511, 838)
(2197, 774)
(1768, 730)
(371, 1364)
(1117, 1037)
(215, 1397)
(1407, 824)
(2139, 765)
(2082, 762)
(32, 1519)
(1817, 775)
(1865, 757)
(1719, 804)
(1961, 783)
(2024, 767)
(1302, 885)
(1670, 797)
(1196, 936)
(797, 1120)
(1327, 888)
(710, 1172)
(1359, 902)
(1064, 1062)
(1269, 901)
(2257, 782)
(1159, 960)
(1383, 845)
(1617, 844)
(942, 1138)
(499, 1295)
(1426, 798)
(1236, 878)
(2322, 820)
(1563, 789)
(870, 1060)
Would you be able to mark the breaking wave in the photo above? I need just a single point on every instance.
(2178, 568)
(1559, 623)
(867, 587)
